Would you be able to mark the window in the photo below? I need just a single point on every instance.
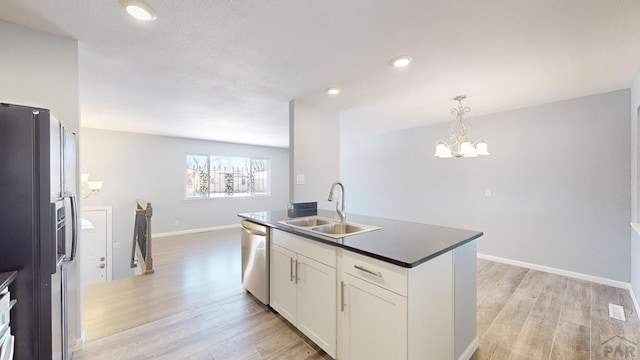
(212, 176)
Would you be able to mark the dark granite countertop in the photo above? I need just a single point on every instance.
(402, 243)
(7, 278)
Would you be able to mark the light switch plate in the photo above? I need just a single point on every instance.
(116, 245)
(300, 179)
(487, 192)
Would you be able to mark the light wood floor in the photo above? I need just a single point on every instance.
(193, 308)
(527, 314)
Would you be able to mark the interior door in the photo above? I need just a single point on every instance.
(94, 246)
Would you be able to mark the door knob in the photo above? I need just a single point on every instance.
(102, 266)
(101, 258)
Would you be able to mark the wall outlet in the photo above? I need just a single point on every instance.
(487, 192)
(116, 245)
(177, 223)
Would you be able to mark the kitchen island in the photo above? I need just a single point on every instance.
(400, 290)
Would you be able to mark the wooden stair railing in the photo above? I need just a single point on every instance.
(141, 250)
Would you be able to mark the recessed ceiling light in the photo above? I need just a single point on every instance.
(333, 91)
(139, 9)
(401, 61)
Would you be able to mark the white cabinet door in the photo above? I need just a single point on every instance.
(317, 303)
(373, 323)
(283, 285)
(303, 290)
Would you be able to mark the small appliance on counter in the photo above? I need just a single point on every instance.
(302, 209)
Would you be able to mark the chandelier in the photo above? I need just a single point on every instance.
(461, 146)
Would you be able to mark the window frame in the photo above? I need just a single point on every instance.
(234, 195)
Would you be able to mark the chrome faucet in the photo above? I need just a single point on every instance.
(340, 209)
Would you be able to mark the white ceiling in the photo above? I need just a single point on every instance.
(226, 69)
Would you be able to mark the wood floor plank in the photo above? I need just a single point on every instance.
(493, 296)
(490, 277)
(546, 312)
(481, 263)
(536, 337)
(277, 342)
(602, 325)
(576, 307)
(629, 326)
(501, 336)
(572, 339)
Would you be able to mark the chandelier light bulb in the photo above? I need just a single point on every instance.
(467, 150)
(482, 148)
(443, 151)
(95, 185)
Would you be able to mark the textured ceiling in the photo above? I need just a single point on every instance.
(226, 70)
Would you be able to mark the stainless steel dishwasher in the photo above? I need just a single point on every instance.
(255, 260)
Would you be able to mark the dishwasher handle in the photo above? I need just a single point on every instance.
(252, 231)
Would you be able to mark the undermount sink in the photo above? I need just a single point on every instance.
(308, 222)
(328, 227)
(338, 229)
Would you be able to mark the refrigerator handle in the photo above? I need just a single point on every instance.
(74, 225)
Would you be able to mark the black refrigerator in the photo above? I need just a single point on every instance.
(39, 230)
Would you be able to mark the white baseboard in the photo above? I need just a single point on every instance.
(635, 302)
(470, 350)
(195, 231)
(80, 342)
(571, 274)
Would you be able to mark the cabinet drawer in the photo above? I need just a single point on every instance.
(315, 250)
(383, 274)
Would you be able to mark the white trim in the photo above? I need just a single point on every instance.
(635, 302)
(80, 342)
(194, 231)
(109, 210)
(470, 350)
(571, 274)
(636, 227)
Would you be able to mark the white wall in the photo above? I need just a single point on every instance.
(40, 69)
(559, 175)
(635, 184)
(314, 142)
(152, 168)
